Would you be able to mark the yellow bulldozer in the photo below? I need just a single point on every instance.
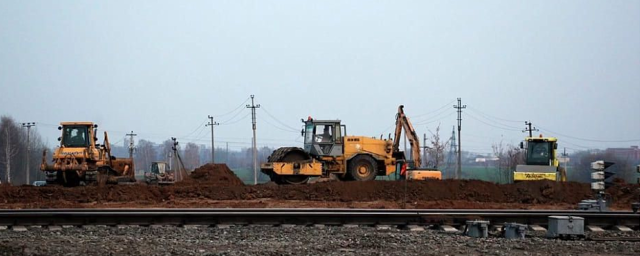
(80, 160)
(541, 162)
(328, 150)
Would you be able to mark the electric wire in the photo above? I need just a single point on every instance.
(584, 139)
(494, 120)
(494, 117)
(234, 110)
(433, 111)
(274, 118)
(477, 119)
(277, 127)
(236, 121)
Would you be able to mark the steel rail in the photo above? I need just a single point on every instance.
(210, 216)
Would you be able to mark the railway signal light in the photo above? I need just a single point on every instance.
(600, 175)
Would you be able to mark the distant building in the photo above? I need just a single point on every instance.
(486, 159)
(631, 153)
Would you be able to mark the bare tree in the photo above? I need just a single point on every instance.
(501, 163)
(515, 156)
(10, 143)
(437, 149)
(166, 151)
(191, 156)
(144, 155)
(509, 156)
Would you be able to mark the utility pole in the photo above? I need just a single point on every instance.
(177, 170)
(28, 126)
(213, 148)
(566, 159)
(529, 129)
(424, 152)
(227, 162)
(459, 107)
(453, 147)
(255, 150)
(131, 143)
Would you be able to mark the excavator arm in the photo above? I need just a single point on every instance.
(402, 122)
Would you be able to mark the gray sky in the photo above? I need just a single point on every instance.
(160, 67)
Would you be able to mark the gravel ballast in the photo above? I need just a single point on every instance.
(295, 240)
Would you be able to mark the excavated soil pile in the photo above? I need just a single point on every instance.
(213, 173)
(539, 192)
(205, 187)
(623, 194)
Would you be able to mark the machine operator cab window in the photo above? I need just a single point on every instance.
(326, 136)
(539, 153)
(158, 168)
(321, 138)
(75, 137)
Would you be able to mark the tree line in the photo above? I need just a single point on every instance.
(14, 152)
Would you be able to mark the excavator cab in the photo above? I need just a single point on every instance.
(323, 137)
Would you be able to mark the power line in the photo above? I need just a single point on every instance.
(503, 128)
(591, 140)
(232, 118)
(235, 109)
(493, 117)
(489, 119)
(436, 118)
(200, 126)
(433, 111)
(274, 118)
(279, 128)
(236, 121)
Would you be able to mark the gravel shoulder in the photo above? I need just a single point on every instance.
(297, 240)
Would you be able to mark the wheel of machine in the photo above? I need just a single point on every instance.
(52, 178)
(362, 168)
(289, 155)
(294, 179)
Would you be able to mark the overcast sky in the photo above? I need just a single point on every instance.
(160, 67)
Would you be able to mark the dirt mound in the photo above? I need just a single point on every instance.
(212, 185)
(622, 194)
(213, 173)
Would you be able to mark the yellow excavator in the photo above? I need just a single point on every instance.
(541, 162)
(80, 160)
(328, 150)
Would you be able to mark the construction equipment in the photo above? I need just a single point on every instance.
(413, 171)
(160, 174)
(541, 162)
(80, 160)
(328, 151)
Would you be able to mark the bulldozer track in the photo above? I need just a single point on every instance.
(213, 216)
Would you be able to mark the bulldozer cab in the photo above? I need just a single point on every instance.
(77, 135)
(158, 167)
(323, 137)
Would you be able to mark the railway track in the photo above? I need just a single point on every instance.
(305, 216)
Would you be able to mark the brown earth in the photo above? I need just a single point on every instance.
(213, 174)
(216, 186)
